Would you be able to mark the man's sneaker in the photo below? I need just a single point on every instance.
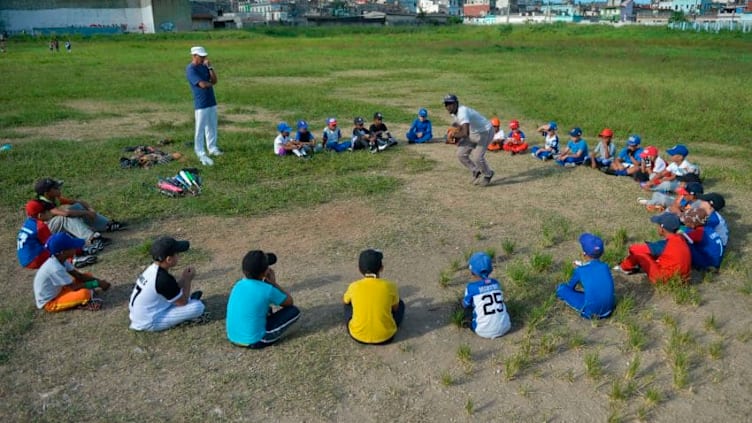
(486, 180)
(196, 295)
(83, 261)
(216, 152)
(625, 272)
(476, 177)
(206, 160)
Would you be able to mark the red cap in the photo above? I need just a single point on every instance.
(649, 152)
(606, 132)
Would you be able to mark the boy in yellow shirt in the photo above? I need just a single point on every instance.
(373, 308)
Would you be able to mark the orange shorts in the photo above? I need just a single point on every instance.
(68, 298)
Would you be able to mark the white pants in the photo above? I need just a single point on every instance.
(175, 315)
(206, 131)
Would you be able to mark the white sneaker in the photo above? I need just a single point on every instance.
(206, 161)
(216, 152)
(626, 272)
(569, 164)
(643, 201)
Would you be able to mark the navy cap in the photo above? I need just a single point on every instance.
(256, 262)
(167, 246)
(575, 132)
(716, 200)
(668, 221)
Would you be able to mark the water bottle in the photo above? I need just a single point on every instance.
(5, 147)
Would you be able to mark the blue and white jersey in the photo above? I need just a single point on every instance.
(490, 316)
(709, 251)
(552, 142)
(717, 223)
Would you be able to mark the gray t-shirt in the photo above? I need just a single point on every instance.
(600, 151)
(50, 279)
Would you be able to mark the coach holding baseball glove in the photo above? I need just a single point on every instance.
(472, 136)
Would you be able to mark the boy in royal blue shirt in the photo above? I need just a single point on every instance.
(484, 300)
(421, 130)
(596, 298)
(575, 152)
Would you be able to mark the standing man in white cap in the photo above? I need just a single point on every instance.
(202, 78)
(473, 135)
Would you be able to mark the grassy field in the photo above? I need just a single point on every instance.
(70, 115)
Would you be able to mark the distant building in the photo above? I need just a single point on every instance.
(478, 8)
(91, 17)
(688, 7)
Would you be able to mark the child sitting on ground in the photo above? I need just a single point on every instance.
(284, 145)
(603, 154)
(34, 234)
(713, 203)
(381, 139)
(373, 308)
(306, 138)
(361, 136)
(332, 137)
(515, 142)
(58, 286)
(595, 299)
(484, 300)
(651, 167)
(421, 130)
(705, 246)
(678, 165)
(497, 142)
(663, 259)
(551, 146)
(686, 194)
(628, 162)
(576, 151)
(250, 321)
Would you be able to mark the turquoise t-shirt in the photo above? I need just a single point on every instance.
(247, 308)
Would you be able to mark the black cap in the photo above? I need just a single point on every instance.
(167, 246)
(450, 98)
(44, 185)
(256, 262)
(370, 261)
(716, 200)
(378, 116)
(689, 177)
(359, 120)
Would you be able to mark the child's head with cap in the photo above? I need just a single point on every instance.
(694, 217)
(256, 263)
(592, 245)
(667, 221)
(370, 262)
(480, 264)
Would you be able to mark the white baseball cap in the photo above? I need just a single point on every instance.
(199, 50)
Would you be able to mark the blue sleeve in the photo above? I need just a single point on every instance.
(429, 130)
(324, 136)
(467, 301)
(522, 135)
(276, 296)
(575, 279)
(193, 77)
(414, 126)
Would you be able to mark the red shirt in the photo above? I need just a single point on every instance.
(676, 258)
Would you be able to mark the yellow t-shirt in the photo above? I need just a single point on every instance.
(372, 300)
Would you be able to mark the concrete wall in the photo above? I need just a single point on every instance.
(127, 15)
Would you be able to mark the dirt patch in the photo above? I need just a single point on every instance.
(65, 364)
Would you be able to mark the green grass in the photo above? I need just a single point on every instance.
(593, 365)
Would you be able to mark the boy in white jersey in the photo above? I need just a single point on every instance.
(158, 301)
(485, 300)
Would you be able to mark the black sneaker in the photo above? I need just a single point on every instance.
(114, 225)
(486, 180)
(196, 295)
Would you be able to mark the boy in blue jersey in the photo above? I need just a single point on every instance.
(306, 138)
(485, 300)
(421, 130)
(332, 137)
(596, 298)
(628, 161)
(551, 147)
(575, 152)
(706, 246)
(250, 321)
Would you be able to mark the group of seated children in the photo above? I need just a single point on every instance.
(376, 138)
(513, 142)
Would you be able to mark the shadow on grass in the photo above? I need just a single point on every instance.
(527, 175)
(315, 282)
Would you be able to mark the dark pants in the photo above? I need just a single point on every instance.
(276, 325)
(397, 315)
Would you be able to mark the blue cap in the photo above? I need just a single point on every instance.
(283, 127)
(575, 132)
(591, 244)
(552, 126)
(61, 241)
(634, 140)
(302, 124)
(480, 264)
(668, 221)
(679, 149)
(423, 113)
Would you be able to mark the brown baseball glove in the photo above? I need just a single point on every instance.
(450, 138)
